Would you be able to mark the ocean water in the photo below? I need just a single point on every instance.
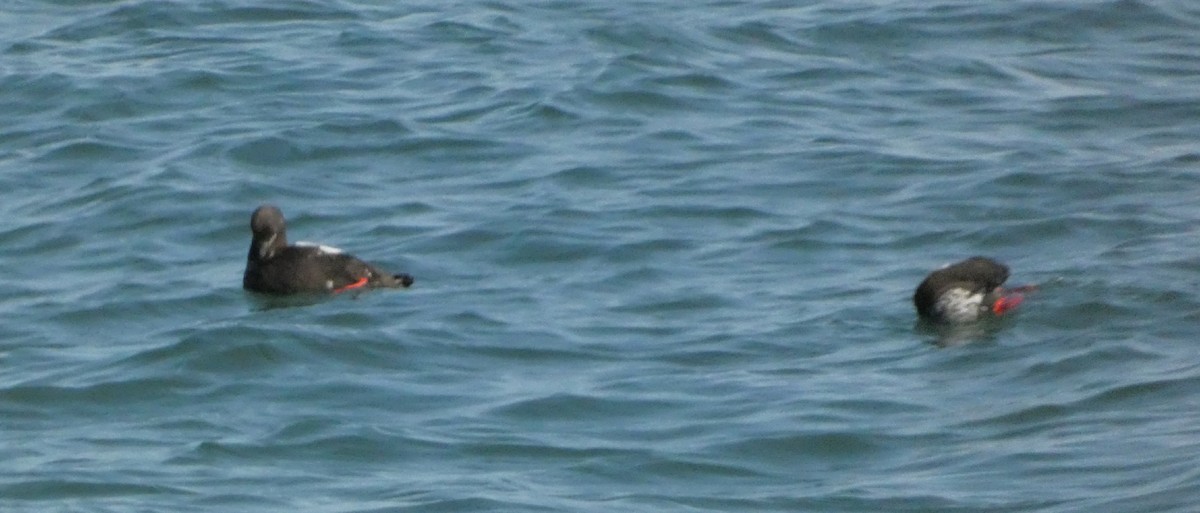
(664, 255)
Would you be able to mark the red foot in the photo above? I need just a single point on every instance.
(362, 282)
(1007, 303)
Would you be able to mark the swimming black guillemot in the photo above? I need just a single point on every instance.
(274, 267)
(966, 291)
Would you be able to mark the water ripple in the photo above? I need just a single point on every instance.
(664, 255)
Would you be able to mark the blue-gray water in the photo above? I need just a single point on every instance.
(664, 254)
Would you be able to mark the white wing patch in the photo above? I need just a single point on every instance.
(959, 305)
(327, 250)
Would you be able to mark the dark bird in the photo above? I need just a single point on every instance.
(274, 267)
(966, 291)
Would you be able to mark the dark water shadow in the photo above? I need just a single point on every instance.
(263, 302)
(946, 335)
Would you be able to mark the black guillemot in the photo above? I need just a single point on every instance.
(967, 291)
(274, 267)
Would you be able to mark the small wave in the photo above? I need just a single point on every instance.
(66, 489)
(577, 408)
